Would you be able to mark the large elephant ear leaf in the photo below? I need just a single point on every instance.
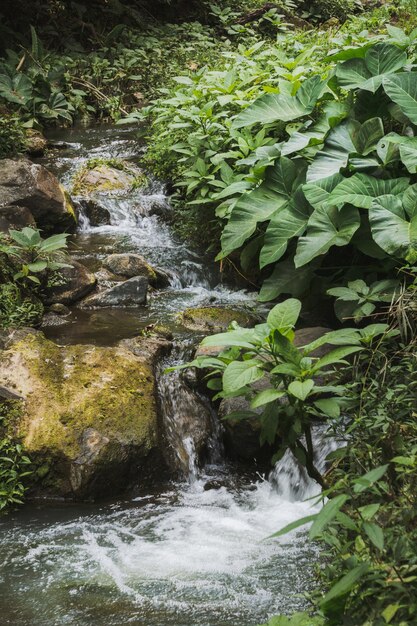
(335, 154)
(394, 229)
(326, 227)
(369, 72)
(402, 89)
(286, 223)
(258, 205)
(283, 107)
(361, 190)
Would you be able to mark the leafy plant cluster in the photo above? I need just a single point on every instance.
(14, 465)
(29, 265)
(12, 136)
(297, 391)
(321, 160)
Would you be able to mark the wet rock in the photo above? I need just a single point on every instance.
(36, 143)
(97, 214)
(77, 283)
(59, 309)
(27, 184)
(152, 348)
(215, 319)
(16, 218)
(51, 319)
(132, 292)
(89, 419)
(104, 177)
(129, 265)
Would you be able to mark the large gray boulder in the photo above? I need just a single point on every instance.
(30, 185)
(132, 292)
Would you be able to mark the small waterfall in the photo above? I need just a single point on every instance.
(192, 430)
(290, 478)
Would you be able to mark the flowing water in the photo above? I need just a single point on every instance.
(193, 553)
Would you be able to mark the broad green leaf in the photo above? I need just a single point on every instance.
(402, 89)
(369, 135)
(265, 397)
(39, 266)
(293, 525)
(285, 348)
(389, 612)
(335, 154)
(345, 584)
(327, 514)
(238, 374)
(283, 106)
(301, 389)
(375, 534)
(242, 338)
(261, 203)
(288, 222)
(392, 229)
(284, 315)
(328, 406)
(361, 190)
(368, 73)
(318, 193)
(335, 356)
(285, 279)
(340, 337)
(326, 228)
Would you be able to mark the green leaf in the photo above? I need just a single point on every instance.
(288, 222)
(361, 190)
(335, 154)
(335, 356)
(284, 315)
(402, 89)
(283, 106)
(326, 515)
(369, 479)
(301, 389)
(369, 510)
(345, 584)
(389, 612)
(293, 525)
(392, 230)
(328, 406)
(39, 266)
(261, 203)
(375, 534)
(238, 374)
(285, 279)
(265, 397)
(243, 338)
(368, 73)
(326, 228)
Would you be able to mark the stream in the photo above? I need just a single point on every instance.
(193, 552)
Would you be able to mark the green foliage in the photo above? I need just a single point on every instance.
(358, 300)
(18, 309)
(12, 136)
(33, 255)
(14, 464)
(298, 392)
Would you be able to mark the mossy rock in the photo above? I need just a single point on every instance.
(215, 319)
(89, 419)
(107, 176)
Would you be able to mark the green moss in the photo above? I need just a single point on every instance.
(135, 179)
(79, 387)
(213, 318)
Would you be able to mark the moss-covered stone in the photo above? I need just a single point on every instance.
(107, 175)
(89, 414)
(215, 319)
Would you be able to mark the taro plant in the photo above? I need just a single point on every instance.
(289, 388)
